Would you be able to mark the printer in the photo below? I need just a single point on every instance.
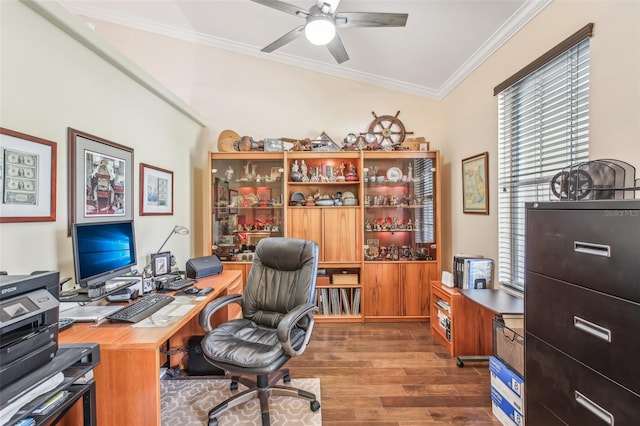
(29, 311)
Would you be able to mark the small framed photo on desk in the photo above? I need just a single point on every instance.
(161, 264)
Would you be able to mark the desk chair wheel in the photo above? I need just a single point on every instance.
(234, 386)
(286, 378)
(460, 363)
(213, 422)
(315, 406)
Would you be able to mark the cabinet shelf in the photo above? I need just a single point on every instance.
(355, 182)
(395, 207)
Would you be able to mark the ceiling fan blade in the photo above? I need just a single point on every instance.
(287, 38)
(284, 7)
(371, 19)
(337, 49)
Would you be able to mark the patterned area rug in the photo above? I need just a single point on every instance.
(187, 402)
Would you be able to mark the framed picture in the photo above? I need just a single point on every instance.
(220, 199)
(156, 191)
(233, 201)
(475, 184)
(161, 263)
(27, 178)
(100, 179)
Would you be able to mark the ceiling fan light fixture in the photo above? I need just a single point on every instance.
(319, 30)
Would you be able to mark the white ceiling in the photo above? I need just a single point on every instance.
(442, 43)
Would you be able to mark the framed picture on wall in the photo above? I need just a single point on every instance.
(475, 186)
(100, 179)
(156, 191)
(27, 178)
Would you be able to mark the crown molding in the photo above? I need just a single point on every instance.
(518, 20)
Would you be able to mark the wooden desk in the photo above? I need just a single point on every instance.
(128, 376)
(474, 323)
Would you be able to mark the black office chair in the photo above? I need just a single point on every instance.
(276, 324)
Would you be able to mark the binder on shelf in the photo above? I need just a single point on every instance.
(345, 301)
(478, 274)
(324, 294)
(335, 301)
(458, 267)
(356, 302)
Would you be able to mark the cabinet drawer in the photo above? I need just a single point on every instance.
(573, 392)
(596, 329)
(592, 248)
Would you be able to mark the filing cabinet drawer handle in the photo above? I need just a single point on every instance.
(591, 328)
(600, 412)
(592, 248)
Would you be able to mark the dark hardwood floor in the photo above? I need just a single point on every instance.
(392, 374)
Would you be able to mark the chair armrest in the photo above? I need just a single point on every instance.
(215, 305)
(289, 321)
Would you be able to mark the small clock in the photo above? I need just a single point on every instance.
(350, 139)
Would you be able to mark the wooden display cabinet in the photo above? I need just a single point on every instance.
(385, 230)
(445, 301)
(246, 202)
(401, 229)
(325, 206)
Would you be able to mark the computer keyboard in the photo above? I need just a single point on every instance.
(141, 309)
(178, 284)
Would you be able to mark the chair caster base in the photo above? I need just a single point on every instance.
(213, 422)
(315, 406)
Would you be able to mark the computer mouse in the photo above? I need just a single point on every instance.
(191, 290)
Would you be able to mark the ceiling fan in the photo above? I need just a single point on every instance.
(322, 20)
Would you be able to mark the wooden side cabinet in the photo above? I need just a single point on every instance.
(444, 303)
(398, 291)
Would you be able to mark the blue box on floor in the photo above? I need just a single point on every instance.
(513, 381)
(502, 404)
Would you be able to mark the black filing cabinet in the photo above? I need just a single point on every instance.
(582, 313)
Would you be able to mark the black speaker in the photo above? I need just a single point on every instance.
(201, 267)
(197, 365)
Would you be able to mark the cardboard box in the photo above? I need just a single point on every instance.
(344, 279)
(512, 381)
(509, 410)
(508, 342)
(322, 280)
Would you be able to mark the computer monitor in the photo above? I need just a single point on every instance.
(102, 251)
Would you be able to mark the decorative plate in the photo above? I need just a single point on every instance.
(298, 196)
(394, 174)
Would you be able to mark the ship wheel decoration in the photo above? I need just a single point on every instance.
(388, 130)
(572, 185)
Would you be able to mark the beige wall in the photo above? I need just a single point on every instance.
(471, 116)
(50, 82)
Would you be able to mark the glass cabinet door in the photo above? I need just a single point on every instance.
(399, 207)
(247, 203)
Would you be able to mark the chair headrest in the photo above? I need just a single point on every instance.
(285, 254)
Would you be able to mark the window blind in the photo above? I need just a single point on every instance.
(543, 126)
(424, 183)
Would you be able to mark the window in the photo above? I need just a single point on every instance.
(543, 126)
